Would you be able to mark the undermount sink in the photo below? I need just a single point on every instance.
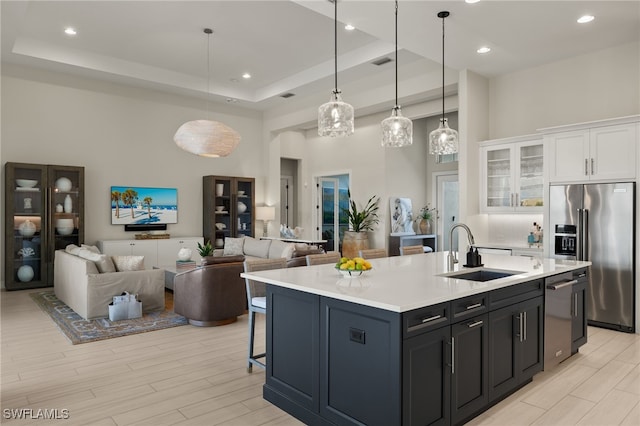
(481, 275)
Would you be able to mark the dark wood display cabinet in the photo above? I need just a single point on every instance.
(228, 208)
(44, 211)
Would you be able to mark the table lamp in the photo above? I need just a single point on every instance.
(265, 214)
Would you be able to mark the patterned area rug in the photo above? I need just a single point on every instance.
(78, 330)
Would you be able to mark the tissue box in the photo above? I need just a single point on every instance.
(125, 306)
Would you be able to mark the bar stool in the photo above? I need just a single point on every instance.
(257, 301)
(405, 250)
(373, 253)
(319, 259)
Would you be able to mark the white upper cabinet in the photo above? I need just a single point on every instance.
(512, 175)
(598, 153)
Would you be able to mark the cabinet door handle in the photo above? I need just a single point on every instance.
(433, 318)
(575, 304)
(586, 167)
(475, 305)
(524, 326)
(563, 285)
(453, 355)
(592, 168)
(475, 324)
(520, 326)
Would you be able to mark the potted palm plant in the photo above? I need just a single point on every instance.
(205, 250)
(360, 221)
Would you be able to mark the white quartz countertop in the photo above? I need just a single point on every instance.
(403, 283)
(536, 248)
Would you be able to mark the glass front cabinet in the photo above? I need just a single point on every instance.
(512, 175)
(44, 211)
(229, 208)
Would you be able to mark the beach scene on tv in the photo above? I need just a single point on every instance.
(132, 205)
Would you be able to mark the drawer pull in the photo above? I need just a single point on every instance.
(563, 285)
(475, 324)
(433, 318)
(475, 305)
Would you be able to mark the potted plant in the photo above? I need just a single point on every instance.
(360, 221)
(205, 250)
(425, 215)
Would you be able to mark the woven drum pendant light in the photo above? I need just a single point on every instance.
(205, 137)
(397, 131)
(335, 118)
(443, 140)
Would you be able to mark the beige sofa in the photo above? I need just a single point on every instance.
(78, 283)
(253, 248)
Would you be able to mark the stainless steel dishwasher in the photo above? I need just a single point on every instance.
(557, 318)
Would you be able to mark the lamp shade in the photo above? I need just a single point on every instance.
(397, 131)
(335, 118)
(443, 140)
(265, 213)
(207, 138)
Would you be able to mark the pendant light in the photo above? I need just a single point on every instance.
(443, 140)
(335, 118)
(205, 137)
(397, 131)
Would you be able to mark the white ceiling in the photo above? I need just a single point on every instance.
(288, 46)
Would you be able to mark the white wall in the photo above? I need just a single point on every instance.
(595, 86)
(122, 136)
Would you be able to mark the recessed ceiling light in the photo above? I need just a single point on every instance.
(586, 18)
(484, 49)
(246, 76)
(349, 27)
(471, 1)
(70, 31)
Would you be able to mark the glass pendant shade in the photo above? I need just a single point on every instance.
(207, 138)
(443, 140)
(335, 118)
(397, 131)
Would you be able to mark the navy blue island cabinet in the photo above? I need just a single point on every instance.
(334, 362)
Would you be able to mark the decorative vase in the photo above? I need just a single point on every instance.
(425, 226)
(184, 254)
(25, 273)
(242, 207)
(63, 184)
(219, 242)
(27, 228)
(59, 208)
(219, 189)
(68, 204)
(353, 242)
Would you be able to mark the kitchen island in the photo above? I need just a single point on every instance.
(405, 343)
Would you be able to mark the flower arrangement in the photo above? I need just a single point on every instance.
(427, 212)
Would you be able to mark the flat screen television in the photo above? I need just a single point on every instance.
(143, 207)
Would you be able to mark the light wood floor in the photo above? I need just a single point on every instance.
(197, 376)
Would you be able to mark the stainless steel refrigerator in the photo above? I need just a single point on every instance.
(596, 222)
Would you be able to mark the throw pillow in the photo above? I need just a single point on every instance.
(72, 249)
(256, 248)
(280, 249)
(233, 246)
(128, 263)
(102, 261)
(90, 248)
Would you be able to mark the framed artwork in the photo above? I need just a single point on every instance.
(401, 215)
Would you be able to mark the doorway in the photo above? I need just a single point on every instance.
(447, 205)
(286, 200)
(332, 206)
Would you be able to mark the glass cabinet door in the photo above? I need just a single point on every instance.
(244, 207)
(223, 189)
(531, 178)
(499, 178)
(66, 204)
(25, 226)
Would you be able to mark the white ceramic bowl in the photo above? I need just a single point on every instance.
(219, 208)
(64, 223)
(240, 193)
(64, 230)
(26, 183)
(63, 184)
